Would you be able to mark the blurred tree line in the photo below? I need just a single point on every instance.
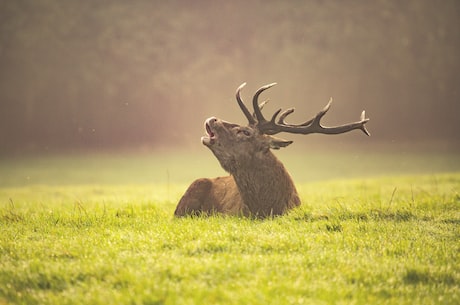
(111, 74)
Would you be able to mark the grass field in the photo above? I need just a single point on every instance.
(98, 229)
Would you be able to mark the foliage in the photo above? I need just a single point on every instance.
(114, 73)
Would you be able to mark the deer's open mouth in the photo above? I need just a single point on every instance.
(209, 131)
(210, 136)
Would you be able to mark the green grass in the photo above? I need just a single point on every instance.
(99, 230)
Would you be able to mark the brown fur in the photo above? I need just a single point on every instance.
(208, 196)
(258, 184)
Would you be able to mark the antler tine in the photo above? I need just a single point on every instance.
(284, 115)
(363, 119)
(316, 120)
(262, 104)
(243, 107)
(274, 116)
(255, 103)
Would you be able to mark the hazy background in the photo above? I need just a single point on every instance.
(108, 75)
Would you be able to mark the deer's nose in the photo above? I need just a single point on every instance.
(211, 120)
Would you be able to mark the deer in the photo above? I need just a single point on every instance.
(258, 184)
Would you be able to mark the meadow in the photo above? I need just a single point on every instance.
(373, 228)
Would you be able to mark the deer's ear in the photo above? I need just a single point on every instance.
(276, 143)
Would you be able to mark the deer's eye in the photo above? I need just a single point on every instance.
(244, 132)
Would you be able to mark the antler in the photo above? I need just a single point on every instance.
(251, 119)
(311, 126)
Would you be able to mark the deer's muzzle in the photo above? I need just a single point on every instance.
(210, 137)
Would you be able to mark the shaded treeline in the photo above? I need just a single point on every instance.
(108, 74)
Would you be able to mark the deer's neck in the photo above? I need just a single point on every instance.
(265, 185)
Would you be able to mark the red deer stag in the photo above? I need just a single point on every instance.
(258, 185)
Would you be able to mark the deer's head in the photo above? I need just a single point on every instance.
(234, 145)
